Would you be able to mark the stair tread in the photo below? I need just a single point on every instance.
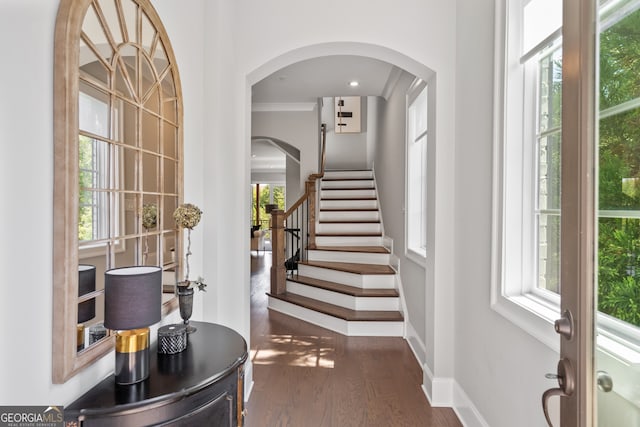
(343, 289)
(349, 198)
(348, 209)
(350, 267)
(343, 234)
(366, 249)
(346, 188)
(340, 312)
(349, 221)
(347, 179)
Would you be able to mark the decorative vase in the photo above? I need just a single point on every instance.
(185, 301)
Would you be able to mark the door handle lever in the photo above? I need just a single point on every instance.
(566, 382)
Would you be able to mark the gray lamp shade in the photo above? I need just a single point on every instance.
(133, 297)
(86, 284)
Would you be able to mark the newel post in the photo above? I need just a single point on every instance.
(311, 191)
(278, 272)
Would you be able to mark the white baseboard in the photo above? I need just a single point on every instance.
(439, 391)
(446, 392)
(415, 343)
(465, 409)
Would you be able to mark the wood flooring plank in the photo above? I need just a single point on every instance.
(308, 376)
(350, 267)
(366, 249)
(343, 289)
(340, 312)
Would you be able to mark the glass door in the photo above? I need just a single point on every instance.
(617, 344)
(599, 367)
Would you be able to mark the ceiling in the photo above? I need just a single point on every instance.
(266, 157)
(306, 81)
(326, 76)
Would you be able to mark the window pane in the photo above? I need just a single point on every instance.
(541, 19)
(619, 170)
(619, 65)
(549, 110)
(93, 111)
(549, 252)
(549, 172)
(619, 161)
(619, 268)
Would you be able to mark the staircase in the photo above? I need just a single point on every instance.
(346, 283)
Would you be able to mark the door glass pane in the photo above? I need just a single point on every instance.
(618, 246)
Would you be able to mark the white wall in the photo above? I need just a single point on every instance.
(499, 366)
(297, 128)
(475, 351)
(390, 175)
(26, 186)
(419, 36)
(345, 150)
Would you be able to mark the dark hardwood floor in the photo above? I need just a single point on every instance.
(306, 376)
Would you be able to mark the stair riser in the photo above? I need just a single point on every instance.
(349, 216)
(347, 184)
(349, 240)
(389, 329)
(357, 227)
(347, 194)
(364, 281)
(346, 205)
(348, 175)
(355, 257)
(342, 300)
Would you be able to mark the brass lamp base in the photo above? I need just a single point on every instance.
(132, 356)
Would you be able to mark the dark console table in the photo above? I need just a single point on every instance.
(202, 385)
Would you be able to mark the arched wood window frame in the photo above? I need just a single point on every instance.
(69, 36)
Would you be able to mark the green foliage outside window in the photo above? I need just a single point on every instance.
(278, 199)
(619, 172)
(86, 180)
(618, 164)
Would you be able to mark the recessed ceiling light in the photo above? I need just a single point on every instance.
(253, 155)
(353, 83)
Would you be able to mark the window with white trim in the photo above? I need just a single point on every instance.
(527, 217)
(97, 162)
(416, 212)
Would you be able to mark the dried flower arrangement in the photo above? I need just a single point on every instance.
(188, 216)
(149, 220)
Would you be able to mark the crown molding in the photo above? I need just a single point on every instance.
(283, 106)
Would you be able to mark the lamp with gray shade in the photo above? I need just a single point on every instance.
(133, 297)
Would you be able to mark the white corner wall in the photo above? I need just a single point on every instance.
(26, 186)
(499, 366)
(298, 129)
(493, 369)
(418, 37)
(345, 151)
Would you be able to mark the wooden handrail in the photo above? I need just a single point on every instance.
(279, 218)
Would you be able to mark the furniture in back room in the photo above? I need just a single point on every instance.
(257, 240)
(202, 385)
